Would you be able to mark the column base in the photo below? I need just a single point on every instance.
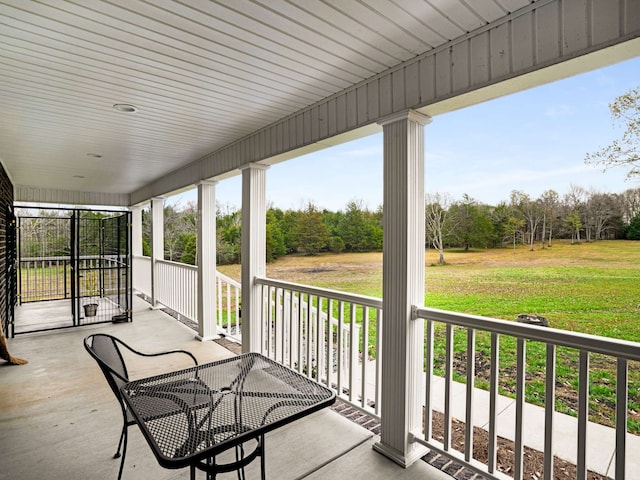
(404, 460)
(207, 338)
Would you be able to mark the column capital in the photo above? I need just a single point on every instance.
(257, 166)
(405, 115)
(206, 182)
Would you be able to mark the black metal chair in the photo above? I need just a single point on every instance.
(106, 350)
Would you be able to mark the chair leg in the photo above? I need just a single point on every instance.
(124, 429)
(124, 451)
(262, 460)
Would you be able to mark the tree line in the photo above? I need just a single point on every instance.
(579, 215)
(309, 230)
(45, 232)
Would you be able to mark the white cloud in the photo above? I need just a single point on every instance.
(559, 111)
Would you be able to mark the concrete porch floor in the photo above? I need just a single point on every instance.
(59, 419)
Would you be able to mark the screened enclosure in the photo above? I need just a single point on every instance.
(75, 261)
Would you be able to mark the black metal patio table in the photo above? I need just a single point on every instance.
(190, 416)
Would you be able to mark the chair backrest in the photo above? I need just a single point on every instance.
(105, 350)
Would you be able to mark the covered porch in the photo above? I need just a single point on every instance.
(174, 96)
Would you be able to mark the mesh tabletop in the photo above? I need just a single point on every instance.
(198, 412)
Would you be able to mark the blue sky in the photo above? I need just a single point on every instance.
(531, 141)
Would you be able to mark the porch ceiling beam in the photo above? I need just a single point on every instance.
(68, 197)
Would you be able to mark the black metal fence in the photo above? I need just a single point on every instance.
(77, 255)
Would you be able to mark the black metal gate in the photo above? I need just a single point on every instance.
(12, 276)
(78, 258)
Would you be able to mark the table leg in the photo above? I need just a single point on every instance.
(239, 459)
(262, 460)
(211, 476)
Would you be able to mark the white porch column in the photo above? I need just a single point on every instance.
(157, 244)
(402, 287)
(253, 252)
(206, 260)
(136, 231)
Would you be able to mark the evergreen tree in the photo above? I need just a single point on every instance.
(633, 232)
(189, 241)
(472, 226)
(310, 231)
(575, 223)
(359, 228)
(275, 239)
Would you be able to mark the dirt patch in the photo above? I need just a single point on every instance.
(533, 459)
(319, 270)
(602, 408)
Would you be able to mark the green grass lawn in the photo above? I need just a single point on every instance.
(590, 288)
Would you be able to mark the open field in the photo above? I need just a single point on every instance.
(590, 288)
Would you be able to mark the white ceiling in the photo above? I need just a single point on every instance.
(202, 73)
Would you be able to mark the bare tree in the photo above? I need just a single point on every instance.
(630, 200)
(512, 227)
(530, 211)
(601, 209)
(624, 151)
(549, 201)
(436, 220)
(177, 223)
(575, 200)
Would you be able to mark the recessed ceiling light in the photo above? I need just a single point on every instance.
(94, 155)
(125, 107)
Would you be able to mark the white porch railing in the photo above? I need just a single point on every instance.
(331, 336)
(141, 274)
(447, 324)
(228, 306)
(177, 290)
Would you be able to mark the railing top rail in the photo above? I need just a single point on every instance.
(322, 292)
(229, 280)
(582, 341)
(186, 266)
